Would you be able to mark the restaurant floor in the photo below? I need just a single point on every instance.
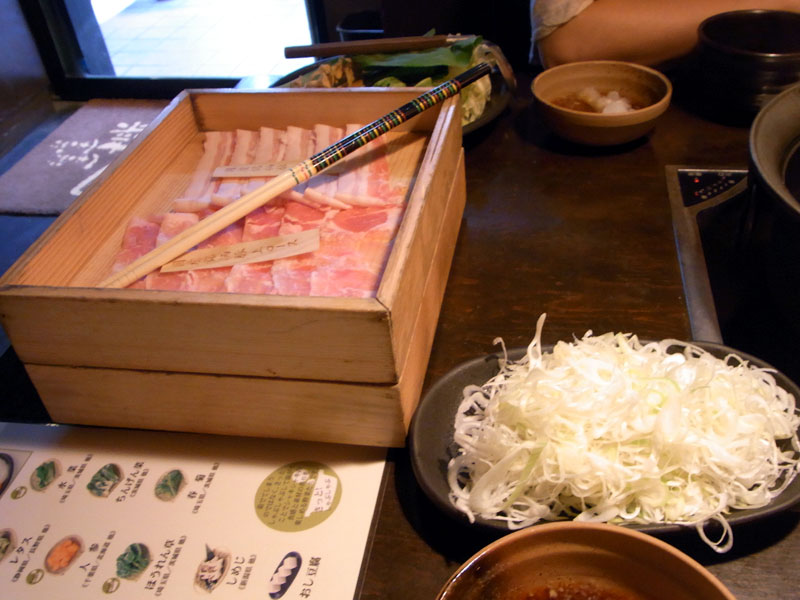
(203, 38)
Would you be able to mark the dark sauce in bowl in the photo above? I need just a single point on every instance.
(570, 590)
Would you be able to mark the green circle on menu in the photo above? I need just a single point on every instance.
(298, 496)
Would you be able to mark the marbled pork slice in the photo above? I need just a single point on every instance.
(360, 219)
(353, 251)
(213, 279)
(217, 148)
(322, 188)
(171, 225)
(256, 278)
(197, 280)
(301, 217)
(365, 178)
(263, 222)
(351, 264)
(292, 276)
(299, 146)
(232, 188)
(344, 283)
(271, 149)
(139, 239)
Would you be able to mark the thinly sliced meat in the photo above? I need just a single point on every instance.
(378, 175)
(299, 143)
(300, 217)
(213, 279)
(217, 148)
(256, 278)
(322, 188)
(232, 234)
(178, 281)
(292, 276)
(139, 239)
(141, 233)
(231, 188)
(365, 177)
(355, 240)
(299, 146)
(174, 223)
(349, 283)
(366, 219)
(253, 278)
(363, 250)
(171, 225)
(263, 222)
(350, 264)
(271, 149)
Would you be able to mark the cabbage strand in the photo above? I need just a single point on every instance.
(607, 428)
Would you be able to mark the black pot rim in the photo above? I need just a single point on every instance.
(705, 40)
(763, 168)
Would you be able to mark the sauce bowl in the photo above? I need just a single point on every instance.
(648, 91)
(564, 560)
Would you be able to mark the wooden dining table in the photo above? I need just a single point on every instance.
(584, 235)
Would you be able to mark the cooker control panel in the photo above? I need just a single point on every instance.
(699, 185)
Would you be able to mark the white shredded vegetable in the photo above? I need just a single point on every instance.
(607, 428)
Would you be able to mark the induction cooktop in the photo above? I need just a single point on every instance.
(711, 211)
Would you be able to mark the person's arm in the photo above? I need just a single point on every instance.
(649, 32)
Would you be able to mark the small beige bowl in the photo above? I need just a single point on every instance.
(561, 560)
(642, 86)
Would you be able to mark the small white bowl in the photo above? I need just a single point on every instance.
(648, 90)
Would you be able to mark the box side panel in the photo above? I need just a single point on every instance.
(413, 372)
(305, 107)
(324, 338)
(411, 261)
(245, 406)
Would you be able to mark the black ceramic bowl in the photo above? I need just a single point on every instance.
(431, 441)
(746, 57)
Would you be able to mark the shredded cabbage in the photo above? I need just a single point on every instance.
(607, 428)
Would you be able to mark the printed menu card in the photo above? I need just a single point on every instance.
(118, 514)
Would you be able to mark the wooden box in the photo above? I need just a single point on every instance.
(345, 370)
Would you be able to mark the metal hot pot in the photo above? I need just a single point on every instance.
(774, 213)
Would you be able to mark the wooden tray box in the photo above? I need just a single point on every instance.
(345, 370)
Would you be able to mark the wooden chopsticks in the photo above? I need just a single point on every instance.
(378, 45)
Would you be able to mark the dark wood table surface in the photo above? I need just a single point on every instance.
(584, 235)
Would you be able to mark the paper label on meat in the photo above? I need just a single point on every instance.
(263, 170)
(253, 170)
(281, 246)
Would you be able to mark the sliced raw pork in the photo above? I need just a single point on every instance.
(256, 278)
(232, 188)
(217, 149)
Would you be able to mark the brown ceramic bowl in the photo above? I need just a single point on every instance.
(648, 91)
(747, 57)
(562, 560)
